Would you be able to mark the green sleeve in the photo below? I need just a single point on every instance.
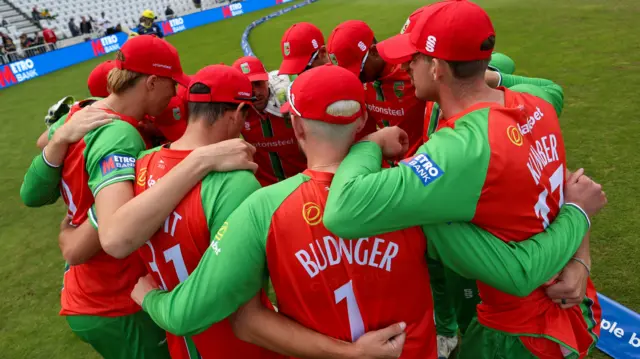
(223, 192)
(441, 183)
(40, 186)
(502, 63)
(545, 89)
(57, 125)
(516, 268)
(110, 154)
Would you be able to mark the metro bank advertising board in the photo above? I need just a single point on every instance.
(36, 66)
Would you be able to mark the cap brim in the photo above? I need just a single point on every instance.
(293, 66)
(286, 108)
(259, 77)
(397, 49)
(182, 79)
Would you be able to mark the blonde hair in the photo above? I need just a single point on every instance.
(332, 131)
(119, 81)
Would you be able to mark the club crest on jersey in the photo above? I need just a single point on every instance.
(514, 135)
(312, 213)
(115, 162)
(422, 165)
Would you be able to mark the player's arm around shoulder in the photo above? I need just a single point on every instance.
(229, 274)
(545, 89)
(441, 183)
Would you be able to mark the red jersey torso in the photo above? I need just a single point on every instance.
(345, 288)
(102, 285)
(522, 194)
(174, 252)
(277, 153)
(391, 101)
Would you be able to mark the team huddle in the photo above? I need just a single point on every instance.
(366, 200)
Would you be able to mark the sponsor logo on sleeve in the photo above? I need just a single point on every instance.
(312, 213)
(116, 162)
(214, 244)
(422, 165)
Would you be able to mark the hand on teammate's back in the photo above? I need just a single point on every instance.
(393, 141)
(84, 121)
(145, 285)
(385, 343)
(584, 192)
(226, 156)
(570, 286)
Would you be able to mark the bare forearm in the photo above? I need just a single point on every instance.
(258, 325)
(80, 244)
(55, 151)
(134, 223)
(583, 252)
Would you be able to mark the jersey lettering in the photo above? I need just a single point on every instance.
(171, 224)
(376, 252)
(556, 182)
(541, 153)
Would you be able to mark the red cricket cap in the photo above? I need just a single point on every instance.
(97, 81)
(252, 67)
(452, 30)
(298, 45)
(150, 55)
(315, 90)
(349, 43)
(225, 83)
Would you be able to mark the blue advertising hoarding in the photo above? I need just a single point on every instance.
(39, 65)
(619, 330)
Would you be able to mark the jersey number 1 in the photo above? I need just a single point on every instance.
(173, 254)
(556, 182)
(355, 318)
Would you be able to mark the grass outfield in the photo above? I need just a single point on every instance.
(590, 47)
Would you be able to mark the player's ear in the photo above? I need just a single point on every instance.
(322, 55)
(151, 82)
(298, 127)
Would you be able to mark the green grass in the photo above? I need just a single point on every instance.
(590, 47)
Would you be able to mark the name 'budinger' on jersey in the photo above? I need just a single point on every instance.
(329, 251)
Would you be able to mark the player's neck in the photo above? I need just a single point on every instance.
(325, 157)
(126, 104)
(199, 134)
(456, 99)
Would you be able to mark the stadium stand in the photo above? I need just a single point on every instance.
(124, 12)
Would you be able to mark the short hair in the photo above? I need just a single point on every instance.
(463, 70)
(332, 131)
(120, 80)
(211, 111)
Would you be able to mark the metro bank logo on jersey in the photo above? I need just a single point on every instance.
(427, 170)
(232, 10)
(173, 26)
(17, 72)
(115, 162)
(105, 45)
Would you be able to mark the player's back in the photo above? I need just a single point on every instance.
(522, 194)
(175, 250)
(101, 286)
(344, 288)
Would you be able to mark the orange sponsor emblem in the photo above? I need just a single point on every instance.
(311, 213)
(514, 135)
(142, 177)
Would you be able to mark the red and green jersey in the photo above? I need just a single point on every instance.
(500, 167)
(176, 249)
(277, 152)
(336, 287)
(107, 155)
(341, 287)
(391, 101)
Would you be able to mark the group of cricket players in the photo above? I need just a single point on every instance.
(369, 199)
